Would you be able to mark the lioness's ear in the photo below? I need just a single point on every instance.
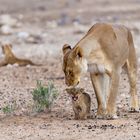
(2, 46)
(77, 52)
(10, 45)
(6, 45)
(66, 48)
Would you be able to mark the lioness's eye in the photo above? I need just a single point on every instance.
(71, 73)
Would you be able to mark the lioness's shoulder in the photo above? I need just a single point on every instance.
(99, 26)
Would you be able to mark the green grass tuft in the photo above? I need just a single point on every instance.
(9, 109)
(44, 96)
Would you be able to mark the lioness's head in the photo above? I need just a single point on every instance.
(6, 48)
(73, 64)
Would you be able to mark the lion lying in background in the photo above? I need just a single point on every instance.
(10, 58)
(103, 52)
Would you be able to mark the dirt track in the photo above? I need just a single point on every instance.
(56, 24)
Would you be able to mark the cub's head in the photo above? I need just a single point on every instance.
(73, 64)
(75, 92)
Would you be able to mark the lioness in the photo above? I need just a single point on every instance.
(10, 58)
(81, 102)
(103, 51)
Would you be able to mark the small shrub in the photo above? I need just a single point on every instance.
(44, 96)
(9, 109)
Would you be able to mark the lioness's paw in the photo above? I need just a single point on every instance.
(111, 116)
(101, 117)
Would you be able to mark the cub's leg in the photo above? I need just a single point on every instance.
(132, 74)
(100, 84)
(76, 117)
(83, 113)
(76, 113)
(111, 103)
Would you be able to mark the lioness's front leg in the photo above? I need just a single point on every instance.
(101, 89)
(111, 103)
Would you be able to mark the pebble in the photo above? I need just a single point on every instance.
(15, 65)
(89, 127)
(6, 30)
(9, 66)
(28, 66)
(8, 20)
(64, 19)
(52, 24)
(23, 35)
(35, 39)
(29, 38)
(77, 125)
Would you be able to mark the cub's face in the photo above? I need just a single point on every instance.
(71, 65)
(75, 93)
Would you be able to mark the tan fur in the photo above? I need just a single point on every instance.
(103, 51)
(10, 58)
(81, 103)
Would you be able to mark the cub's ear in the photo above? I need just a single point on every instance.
(81, 90)
(77, 52)
(68, 90)
(66, 48)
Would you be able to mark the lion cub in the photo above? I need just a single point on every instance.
(81, 102)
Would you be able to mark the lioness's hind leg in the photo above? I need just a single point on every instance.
(132, 74)
(131, 64)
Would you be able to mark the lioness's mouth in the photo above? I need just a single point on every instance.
(72, 85)
(76, 84)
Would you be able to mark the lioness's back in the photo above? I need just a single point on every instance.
(101, 29)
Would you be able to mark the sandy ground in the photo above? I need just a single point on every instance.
(51, 24)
